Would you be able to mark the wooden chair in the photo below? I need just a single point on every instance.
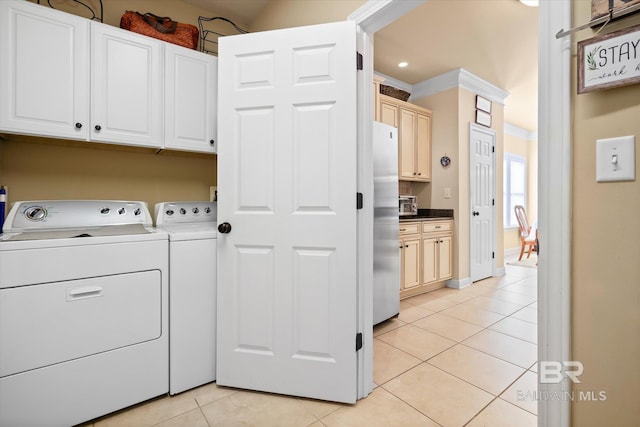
(528, 237)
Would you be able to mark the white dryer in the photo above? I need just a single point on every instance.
(192, 291)
(83, 311)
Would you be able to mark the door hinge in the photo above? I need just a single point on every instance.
(359, 201)
(358, 341)
(359, 61)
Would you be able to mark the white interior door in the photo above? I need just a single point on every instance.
(287, 306)
(482, 201)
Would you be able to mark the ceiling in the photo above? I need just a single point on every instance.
(497, 40)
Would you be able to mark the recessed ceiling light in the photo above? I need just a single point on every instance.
(403, 64)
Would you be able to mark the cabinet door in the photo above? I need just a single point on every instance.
(406, 157)
(445, 264)
(423, 147)
(190, 99)
(389, 114)
(126, 87)
(429, 259)
(44, 84)
(411, 263)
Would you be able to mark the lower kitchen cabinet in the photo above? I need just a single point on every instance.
(426, 250)
(410, 262)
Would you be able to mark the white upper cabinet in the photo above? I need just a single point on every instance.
(190, 100)
(44, 71)
(65, 76)
(126, 87)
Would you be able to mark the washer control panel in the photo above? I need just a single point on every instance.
(60, 214)
(185, 212)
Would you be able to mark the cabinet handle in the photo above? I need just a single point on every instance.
(406, 246)
(419, 173)
(415, 173)
(98, 128)
(78, 125)
(401, 246)
(438, 226)
(211, 141)
(403, 229)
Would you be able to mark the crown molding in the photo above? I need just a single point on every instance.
(518, 132)
(460, 78)
(374, 15)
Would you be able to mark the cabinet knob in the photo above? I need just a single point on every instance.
(476, 213)
(419, 173)
(406, 246)
(78, 125)
(211, 141)
(98, 128)
(415, 173)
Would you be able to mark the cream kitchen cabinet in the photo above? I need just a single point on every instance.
(414, 137)
(44, 71)
(436, 251)
(410, 262)
(425, 255)
(80, 79)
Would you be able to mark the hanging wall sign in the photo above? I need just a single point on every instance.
(609, 61)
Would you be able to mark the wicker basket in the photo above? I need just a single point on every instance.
(394, 92)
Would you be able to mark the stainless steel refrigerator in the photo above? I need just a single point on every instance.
(386, 254)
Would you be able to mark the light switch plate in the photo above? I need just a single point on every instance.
(616, 159)
(446, 192)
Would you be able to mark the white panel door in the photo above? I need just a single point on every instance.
(287, 307)
(126, 87)
(482, 200)
(52, 99)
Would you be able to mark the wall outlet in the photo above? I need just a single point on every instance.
(213, 194)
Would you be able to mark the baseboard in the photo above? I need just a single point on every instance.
(500, 271)
(458, 283)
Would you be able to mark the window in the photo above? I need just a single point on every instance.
(515, 183)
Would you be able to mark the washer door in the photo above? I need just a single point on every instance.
(41, 325)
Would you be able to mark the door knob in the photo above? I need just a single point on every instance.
(224, 228)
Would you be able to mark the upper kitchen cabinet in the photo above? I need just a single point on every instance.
(414, 137)
(126, 87)
(190, 100)
(65, 76)
(44, 71)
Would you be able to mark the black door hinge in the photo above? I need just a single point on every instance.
(359, 201)
(359, 61)
(358, 341)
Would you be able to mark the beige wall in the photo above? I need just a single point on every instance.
(605, 269)
(528, 150)
(453, 110)
(38, 168)
(295, 13)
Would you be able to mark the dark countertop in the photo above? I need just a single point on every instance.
(429, 214)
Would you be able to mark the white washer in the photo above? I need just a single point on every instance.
(192, 291)
(83, 311)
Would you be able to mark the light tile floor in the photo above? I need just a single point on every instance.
(451, 358)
